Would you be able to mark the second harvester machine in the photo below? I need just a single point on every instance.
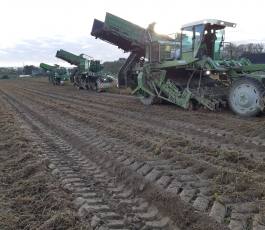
(88, 73)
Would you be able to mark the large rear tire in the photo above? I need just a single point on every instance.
(246, 97)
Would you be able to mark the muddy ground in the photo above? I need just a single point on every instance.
(30, 197)
(122, 165)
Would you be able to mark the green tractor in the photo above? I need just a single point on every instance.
(87, 74)
(57, 75)
(188, 69)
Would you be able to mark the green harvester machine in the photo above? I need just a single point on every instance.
(57, 75)
(87, 74)
(186, 69)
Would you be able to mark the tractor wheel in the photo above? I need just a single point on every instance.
(94, 86)
(148, 100)
(83, 84)
(78, 86)
(246, 97)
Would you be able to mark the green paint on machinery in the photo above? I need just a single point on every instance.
(57, 75)
(186, 69)
(87, 74)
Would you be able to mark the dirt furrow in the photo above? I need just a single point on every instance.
(30, 197)
(220, 138)
(217, 209)
(170, 136)
(227, 121)
(99, 197)
(225, 185)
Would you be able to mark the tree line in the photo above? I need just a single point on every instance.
(232, 50)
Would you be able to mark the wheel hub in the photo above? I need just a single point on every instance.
(243, 99)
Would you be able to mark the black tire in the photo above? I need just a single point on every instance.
(98, 87)
(83, 83)
(246, 97)
(94, 86)
(57, 81)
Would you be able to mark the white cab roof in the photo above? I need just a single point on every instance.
(212, 22)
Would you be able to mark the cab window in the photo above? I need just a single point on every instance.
(198, 34)
(187, 35)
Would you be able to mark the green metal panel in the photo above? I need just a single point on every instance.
(254, 67)
(69, 57)
(47, 67)
(124, 28)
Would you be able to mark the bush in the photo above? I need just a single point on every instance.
(5, 77)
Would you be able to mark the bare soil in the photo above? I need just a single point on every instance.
(30, 198)
(202, 170)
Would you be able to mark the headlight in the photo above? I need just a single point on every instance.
(208, 72)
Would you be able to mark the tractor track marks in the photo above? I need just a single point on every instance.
(220, 138)
(99, 197)
(172, 176)
(204, 119)
(145, 211)
(150, 133)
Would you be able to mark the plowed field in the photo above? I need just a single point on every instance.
(129, 166)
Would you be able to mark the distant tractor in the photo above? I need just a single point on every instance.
(57, 75)
(87, 74)
(188, 69)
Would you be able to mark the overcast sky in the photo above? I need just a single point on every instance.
(32, 30)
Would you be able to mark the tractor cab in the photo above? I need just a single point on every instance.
(203, 38)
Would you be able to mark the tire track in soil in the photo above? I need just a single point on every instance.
(98, 195)
(245, 127)
(149, 132)
(28, 199)
(220, 138)
(216, 206)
